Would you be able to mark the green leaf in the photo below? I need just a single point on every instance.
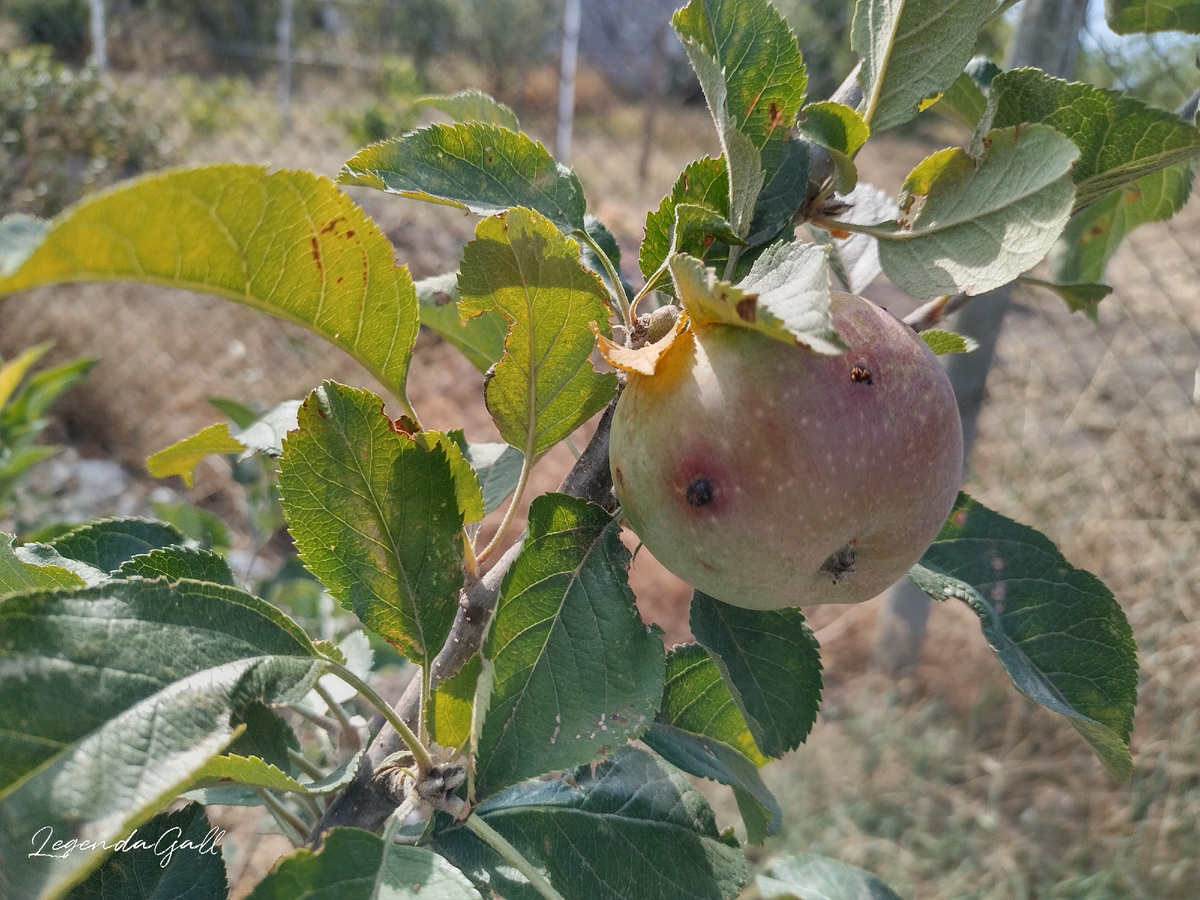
(113, 697)
(634, 824)
(357, 865)
(473, 106)
(1093, 235)
(12, 373)
(199, 525)
(19, 576)
(497, 466)
(108, 543)
(792, 284)
(1057, 630)
(467, 492)
(19, 237)
(820, 878)
(41, 390)
(912, 50)
(182, 457)
(288, 243)
(375, 517)
(545, 387)
(784, 190)
(756, 52)
(267, 432)
(750, 69)
(793, 305)
(1120, 138)
(481, 168)
(257, 772)
(940, 341)
(696, 699)
(770, 662)
(175, 855)
(570, 671)
(1140, 16)
(1083, 298)
(965, 101)
(706, 757)
(841, 131)
(181, 562)
(854, 257)
(265, 734)
(980, 223)
(480, 338)
(452, 705)
(703, 183)
(45, 556)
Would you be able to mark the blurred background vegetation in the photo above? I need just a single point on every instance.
(946, 782)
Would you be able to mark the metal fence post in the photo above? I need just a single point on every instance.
(566, 81)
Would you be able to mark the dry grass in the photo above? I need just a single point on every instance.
(949, 784)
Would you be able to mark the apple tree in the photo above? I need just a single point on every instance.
(541, 751)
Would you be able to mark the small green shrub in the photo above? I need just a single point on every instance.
(64, 133)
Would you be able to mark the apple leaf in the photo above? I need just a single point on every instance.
(696, 699)
(17, 575)
(452, 705)
(1080, 297)
(706, 757)
(182, 457)
(20, 235)
(195, 871)
(263, 435)
(473, 106)
(703, 183)
(544, 387)
(820, 878)
(784, 190)
(750, 69)
(467, 491)
(478, 167)
(92, 757)
(853, 256)
(972, 225)
(841, 131)
(965, 101)
(792, 284)
(912, 50)
(940, 341)
(1093, 235)
(176, 563)
(569, 669)
(108, 543)
(1140, 16)
(256, 772)
(1057, 630)
(353, 864)
(497, 466)
(288, 243)
(591, 831)
(756, 51)
(771, 664)
(480, 338)
(1120, 138)
(375, 517)
(793, 306)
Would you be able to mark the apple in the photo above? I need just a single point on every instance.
(768, 475)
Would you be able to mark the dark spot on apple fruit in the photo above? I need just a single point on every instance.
(700, 492)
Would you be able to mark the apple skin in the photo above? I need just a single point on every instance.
(767, 475)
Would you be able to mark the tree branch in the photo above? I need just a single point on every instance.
(362, 804)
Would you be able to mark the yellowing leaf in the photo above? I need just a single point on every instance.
(288, 243)
(182, 458)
